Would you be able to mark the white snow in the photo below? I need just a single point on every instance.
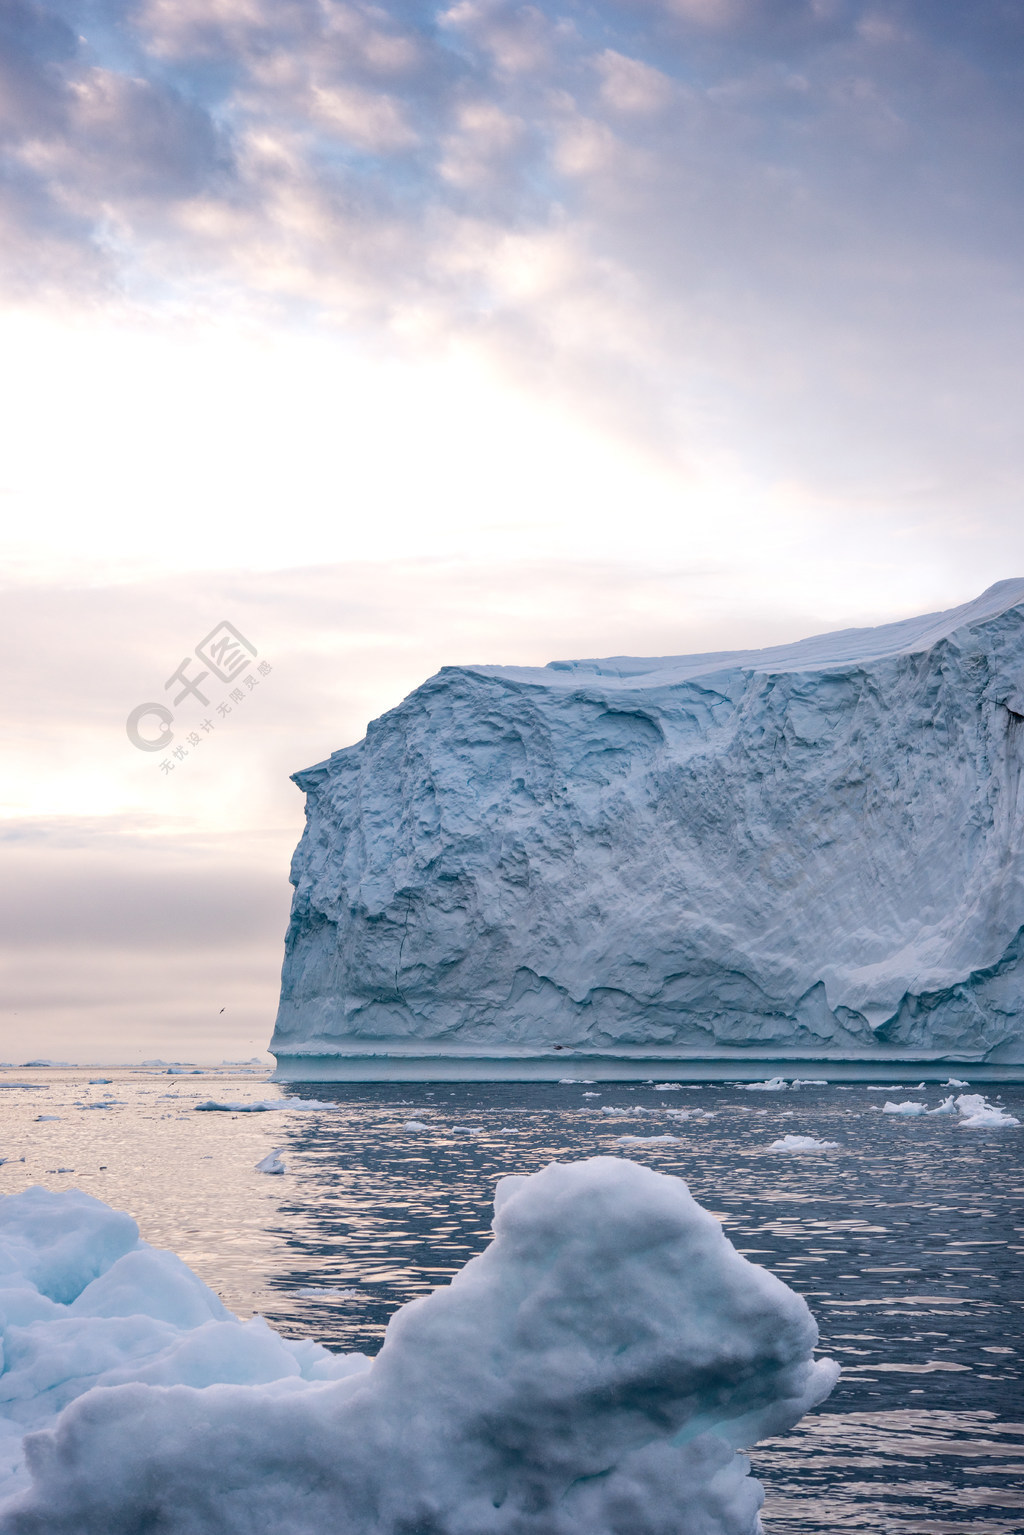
(773, 1085)
(978, 1114)
(907, 1109)
(272, 1163)
(802, 1143)
(470, 878)
(593, 1371)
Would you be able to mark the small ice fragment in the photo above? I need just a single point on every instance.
(907, 1109)
(40, 1117)
(271, 1163)
(591, 1095)
(955, 1082)
(808, 1082)
(463, 1129)
(415, 1124)
(567, 1081)
(802, 1143)
(978, 1114)
(608, 1108)
(947, 1106)
(773, 1085)
(667, 1087)
(265, 1106)
(100, 1081)
(327, 1292)
(645, 1140)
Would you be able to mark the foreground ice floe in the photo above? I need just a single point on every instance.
(593, 1372)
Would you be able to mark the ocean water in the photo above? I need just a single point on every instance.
(906, 1240)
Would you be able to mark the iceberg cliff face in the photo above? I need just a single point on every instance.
(811, 852)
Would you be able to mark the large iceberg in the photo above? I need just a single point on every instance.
(593, 1372)
(806, 854)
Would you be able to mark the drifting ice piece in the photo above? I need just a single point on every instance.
(593, 1372)
(811, 853)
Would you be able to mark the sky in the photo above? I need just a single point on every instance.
(406, 336)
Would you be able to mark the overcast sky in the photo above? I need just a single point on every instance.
(401, 337)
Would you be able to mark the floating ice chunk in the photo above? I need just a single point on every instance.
(463, 1130)
(894, 1087)
(947, 1106)
(978, 1114)
(802, 1143)
(327, 1292)
(907, 1109)
(109, 1103)
(265, 1106)
(41, 1117)
(955, 1082)
(773, 1085)
(84, 1303)
(809, 1082)
(667, 1087)
(415, 1124)
(272, 1163)
(645, 1140)
(100, 1081)
(591, 1095)
(594, 1370)
(694, 1113)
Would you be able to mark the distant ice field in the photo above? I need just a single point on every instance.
(905, 1236)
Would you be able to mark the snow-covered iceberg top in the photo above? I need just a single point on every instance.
(808, 853)
(595, 1369)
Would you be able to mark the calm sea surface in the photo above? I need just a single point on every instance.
(906, 1241)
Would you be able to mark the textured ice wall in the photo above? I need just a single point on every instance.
(814, 850)
(593, 1372)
